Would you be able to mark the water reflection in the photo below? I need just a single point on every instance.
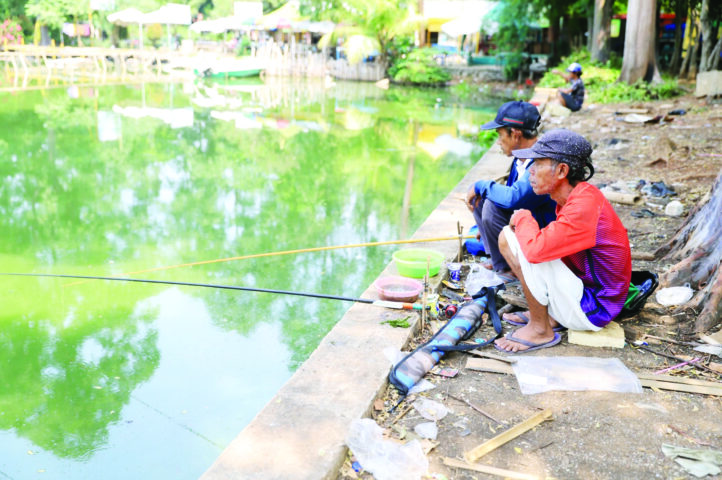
(124, 179)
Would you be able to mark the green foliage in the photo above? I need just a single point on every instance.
(600, 82)
(487, 138)
(514, 18)
(419, 68)
(365, 25)
(398, 323)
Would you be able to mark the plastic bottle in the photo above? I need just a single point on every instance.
(644, 287)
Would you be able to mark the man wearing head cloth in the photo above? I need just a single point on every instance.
(492, 203)
(575, 272)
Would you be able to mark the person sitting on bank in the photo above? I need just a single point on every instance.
(572, 97)
(575, 272)
(492, 203)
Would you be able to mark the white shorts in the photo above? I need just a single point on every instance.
(552, 284)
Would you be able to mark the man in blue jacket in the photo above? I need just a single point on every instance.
(491, 203)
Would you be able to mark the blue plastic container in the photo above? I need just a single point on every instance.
(472, 245)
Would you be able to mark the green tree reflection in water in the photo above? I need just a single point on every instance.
(258, 168)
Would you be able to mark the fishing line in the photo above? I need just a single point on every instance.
(286, 252)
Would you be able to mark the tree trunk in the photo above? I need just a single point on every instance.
(422, 28)
(554, 39)
(714, 56)
(601, 30)
(693, 59)
(697, 250)
(639, 61)
(691, 34)
(707, 36)
(680, 7)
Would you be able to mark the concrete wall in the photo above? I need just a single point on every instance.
(300, 433)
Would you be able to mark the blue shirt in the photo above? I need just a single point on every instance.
(518, 194)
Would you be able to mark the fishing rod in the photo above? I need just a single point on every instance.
(378, 303)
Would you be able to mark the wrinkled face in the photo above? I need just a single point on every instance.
(544, 175)
(506, 141)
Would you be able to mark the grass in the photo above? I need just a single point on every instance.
(600, 82)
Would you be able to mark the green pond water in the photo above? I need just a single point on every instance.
(120, 380)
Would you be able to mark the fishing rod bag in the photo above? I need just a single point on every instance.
(460, 327)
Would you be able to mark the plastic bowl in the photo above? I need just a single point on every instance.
(398, 289)
(411, 262)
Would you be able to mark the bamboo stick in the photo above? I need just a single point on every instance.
(499, 472)
(492, 444)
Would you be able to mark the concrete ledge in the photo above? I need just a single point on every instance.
(301, 432)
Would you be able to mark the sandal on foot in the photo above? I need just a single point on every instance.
(532, 346)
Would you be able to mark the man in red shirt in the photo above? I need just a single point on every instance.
(575, 272)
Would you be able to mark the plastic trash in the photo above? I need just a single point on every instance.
(427, 430)
(385, 459)
(644, 287)
(674, 208)
(674, 295)
(454, 271)
(543, 374)
(480, 277)
(429, 409)
(474, 246)
(658, 189)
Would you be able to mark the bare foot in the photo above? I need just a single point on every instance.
(528, 334)
(522, 318)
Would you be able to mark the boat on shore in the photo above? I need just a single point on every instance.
(240, 67)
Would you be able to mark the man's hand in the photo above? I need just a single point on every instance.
(514, 217)
(472, 199)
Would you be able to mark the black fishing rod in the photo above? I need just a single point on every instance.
(380, 303)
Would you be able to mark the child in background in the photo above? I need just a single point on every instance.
(572, 97)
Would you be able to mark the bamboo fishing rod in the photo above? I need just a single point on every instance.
(378, 303)
(290, 252)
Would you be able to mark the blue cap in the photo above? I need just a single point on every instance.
(517, 114)
(560, 145)
(574, 68)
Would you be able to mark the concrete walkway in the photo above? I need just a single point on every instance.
(300, 433)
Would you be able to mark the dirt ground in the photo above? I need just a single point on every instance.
(594, 434)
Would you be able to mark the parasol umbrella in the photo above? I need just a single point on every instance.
(128, 16)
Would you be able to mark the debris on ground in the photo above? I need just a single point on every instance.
(671, 429)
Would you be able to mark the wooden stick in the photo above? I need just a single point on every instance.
(643, 256)
(459, 229)
(619, 197)
(499, 472)
(492, 444)
(682, 380)
(474, 407)
(681, 387)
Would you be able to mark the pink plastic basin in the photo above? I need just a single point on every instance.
(398, 289)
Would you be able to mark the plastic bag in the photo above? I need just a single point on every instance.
(542, 374)
(430, 409)
(427, 430)
(480, 277)
(674, 295)
(385, 459)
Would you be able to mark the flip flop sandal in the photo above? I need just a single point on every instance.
(508, 279)
(532, 346)
(524, 317)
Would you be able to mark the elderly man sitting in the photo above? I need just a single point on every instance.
(575, 272)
